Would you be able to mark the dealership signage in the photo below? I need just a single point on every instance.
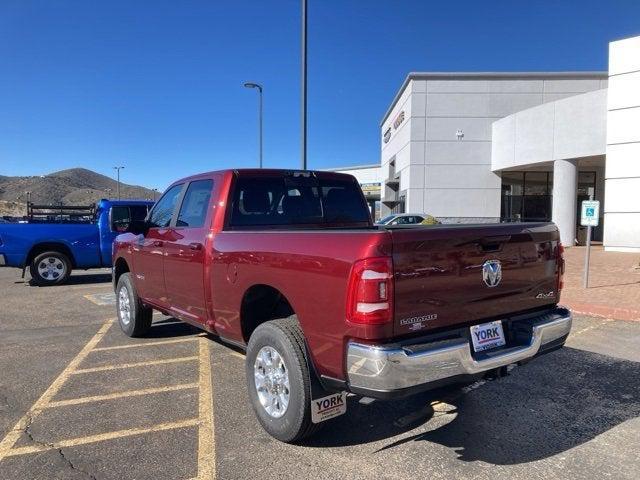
(387, 135)
(398, 121)
(396, 124)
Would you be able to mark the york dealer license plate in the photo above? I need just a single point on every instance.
(486, 336)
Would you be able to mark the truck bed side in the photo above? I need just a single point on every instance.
(17, 240)
(310, 268)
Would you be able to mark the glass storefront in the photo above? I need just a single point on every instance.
(526, 196)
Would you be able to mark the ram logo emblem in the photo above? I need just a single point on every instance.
(492, 273)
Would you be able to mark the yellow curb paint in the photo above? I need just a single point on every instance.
(10, 439)
(112, 396)
(101, 437)
(206, 432)
(133, 365)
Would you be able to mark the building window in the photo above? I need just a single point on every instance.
(526, 196)
(586, 184)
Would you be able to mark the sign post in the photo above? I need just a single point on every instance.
(589, 217)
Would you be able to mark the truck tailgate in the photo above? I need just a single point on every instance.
(439, 279)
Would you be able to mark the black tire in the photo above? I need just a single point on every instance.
(285, 336)
(50, 268)
(139, 319)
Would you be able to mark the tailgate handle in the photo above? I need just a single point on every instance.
(493, 244)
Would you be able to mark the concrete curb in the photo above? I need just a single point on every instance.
(604, 311)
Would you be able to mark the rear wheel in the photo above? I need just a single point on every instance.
(50, 268)
(134, 318)
(278, 380)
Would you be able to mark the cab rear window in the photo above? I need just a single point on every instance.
(297, 201)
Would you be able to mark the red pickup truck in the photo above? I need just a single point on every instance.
(289, 266)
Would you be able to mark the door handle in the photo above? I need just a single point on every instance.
(195, 246)
(158, 243)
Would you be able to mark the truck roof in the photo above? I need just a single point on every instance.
(105, 201)
(262, 171)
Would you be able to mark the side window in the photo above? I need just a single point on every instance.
(195, 204)
(120, 219)
(138, 212)
(163, 209)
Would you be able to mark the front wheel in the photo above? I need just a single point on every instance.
(134, 318)
(278, 380)
(50, 268)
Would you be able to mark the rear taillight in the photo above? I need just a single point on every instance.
(560, 258)
(370, 291)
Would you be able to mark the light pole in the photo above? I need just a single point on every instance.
(259, 87)
(154, 190)
(304, 86)
(117, 169)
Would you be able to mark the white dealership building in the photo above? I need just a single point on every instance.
(486, 147)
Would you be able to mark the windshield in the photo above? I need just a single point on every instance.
(386, 219)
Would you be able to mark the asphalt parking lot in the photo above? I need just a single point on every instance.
(80, 400)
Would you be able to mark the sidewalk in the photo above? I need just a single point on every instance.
(614, 284)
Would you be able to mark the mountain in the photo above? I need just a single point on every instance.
(76, 186)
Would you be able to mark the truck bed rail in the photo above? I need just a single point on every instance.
(61, 213)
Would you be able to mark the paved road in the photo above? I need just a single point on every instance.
(80, 400)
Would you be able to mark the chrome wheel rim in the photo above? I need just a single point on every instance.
(51, 268)
(271, 378)
(124, 308)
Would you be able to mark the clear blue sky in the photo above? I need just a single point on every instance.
(157, 85)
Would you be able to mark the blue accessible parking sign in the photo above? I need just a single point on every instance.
(590, 213)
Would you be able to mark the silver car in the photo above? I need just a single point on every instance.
(404, 219)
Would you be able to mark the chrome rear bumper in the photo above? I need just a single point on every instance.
(387, 368)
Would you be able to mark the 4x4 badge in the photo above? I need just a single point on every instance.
(492, 272)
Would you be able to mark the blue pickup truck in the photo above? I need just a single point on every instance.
(57, 240)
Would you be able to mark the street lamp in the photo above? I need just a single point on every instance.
(303, 81)
(118, 170)
(259, 87)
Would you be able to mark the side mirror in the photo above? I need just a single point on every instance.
(138, 227)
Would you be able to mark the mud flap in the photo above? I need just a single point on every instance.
(324, 404)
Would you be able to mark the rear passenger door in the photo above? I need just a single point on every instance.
(185, 252)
